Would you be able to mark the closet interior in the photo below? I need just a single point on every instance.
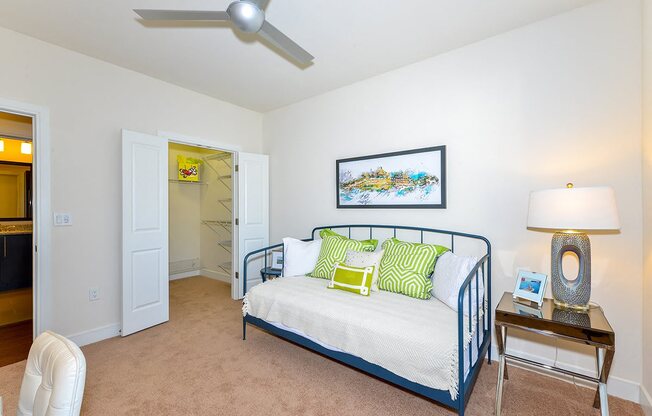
(200, 212)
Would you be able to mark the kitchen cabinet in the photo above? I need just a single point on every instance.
(15, 261)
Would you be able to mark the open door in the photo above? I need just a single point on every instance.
(145, 300)
(252, 220)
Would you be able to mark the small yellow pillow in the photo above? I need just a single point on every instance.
(352, 279)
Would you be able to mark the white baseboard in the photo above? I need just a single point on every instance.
(616, 386)
(646, 401)
(183, 275)
(216, 275)
(95, 335)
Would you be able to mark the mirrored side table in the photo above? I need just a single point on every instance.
(589, 328)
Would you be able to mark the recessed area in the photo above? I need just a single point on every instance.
(16, 214)
(201, 201)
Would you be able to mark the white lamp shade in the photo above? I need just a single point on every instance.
(591, 208)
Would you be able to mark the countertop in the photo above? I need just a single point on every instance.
(17, 229)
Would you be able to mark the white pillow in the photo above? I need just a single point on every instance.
(365, 259)
(450, 272)
(299, 257)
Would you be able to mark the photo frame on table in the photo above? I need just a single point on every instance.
(277, 260)
(407, 179)
(530, 286)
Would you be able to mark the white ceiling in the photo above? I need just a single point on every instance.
(351, 40)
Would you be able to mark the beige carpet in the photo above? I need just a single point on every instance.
(197, 364)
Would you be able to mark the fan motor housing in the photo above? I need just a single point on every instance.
(246, 16)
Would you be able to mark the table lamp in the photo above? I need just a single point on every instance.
(570, 212)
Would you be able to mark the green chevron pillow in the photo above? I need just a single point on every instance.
(352, 279)
(406, 267)
(333, 250)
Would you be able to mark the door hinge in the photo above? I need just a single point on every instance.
(237, 221)
(237, 168)
(237, 275)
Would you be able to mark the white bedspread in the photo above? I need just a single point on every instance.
(415, 339)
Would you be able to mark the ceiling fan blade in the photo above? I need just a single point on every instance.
(278, 39)
(182, 15)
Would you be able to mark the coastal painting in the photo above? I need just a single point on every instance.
(530, 285)
(408, 179)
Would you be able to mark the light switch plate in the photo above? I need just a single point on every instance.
(62, 219)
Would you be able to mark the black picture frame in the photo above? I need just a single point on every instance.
(442, 179)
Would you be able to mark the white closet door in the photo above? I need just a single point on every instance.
(145, 299)
(253, 215)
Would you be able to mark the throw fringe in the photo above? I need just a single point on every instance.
(454, 359)
(245, 305)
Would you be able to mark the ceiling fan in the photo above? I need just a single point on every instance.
(246, 15)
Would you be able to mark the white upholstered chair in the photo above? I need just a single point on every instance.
(53, 384)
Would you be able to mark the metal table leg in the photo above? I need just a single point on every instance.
(604, 359)
(501, 337)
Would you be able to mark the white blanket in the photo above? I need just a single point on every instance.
(415, 339)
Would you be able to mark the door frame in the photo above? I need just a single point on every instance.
(41, 209)
(234, 150)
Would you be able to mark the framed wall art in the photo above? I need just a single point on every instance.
(188, 168)
(408, 179)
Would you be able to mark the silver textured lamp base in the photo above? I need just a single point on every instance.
(571, 294)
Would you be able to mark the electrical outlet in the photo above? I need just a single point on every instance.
(62, 219)
(93, 294)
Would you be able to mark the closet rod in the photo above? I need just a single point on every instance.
(218, 156)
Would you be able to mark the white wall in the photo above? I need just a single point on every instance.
(553, 102)
(90, 102)
(184, 215)
(647, 206)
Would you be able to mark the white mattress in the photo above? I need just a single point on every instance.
(415, 339)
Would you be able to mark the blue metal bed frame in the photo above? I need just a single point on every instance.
(465, 385)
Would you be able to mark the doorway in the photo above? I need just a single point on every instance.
(200, 195)
(16, 230)
(146, 182)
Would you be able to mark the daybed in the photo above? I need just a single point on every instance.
(421, 345)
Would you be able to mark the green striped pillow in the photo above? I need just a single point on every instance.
(406, 267)
(333, 250)
(352, 279)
